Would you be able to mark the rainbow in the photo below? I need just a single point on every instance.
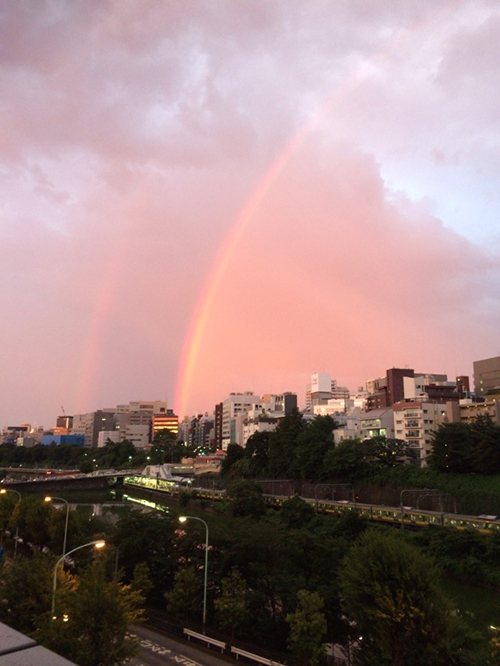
(203, 307)
(93, 342)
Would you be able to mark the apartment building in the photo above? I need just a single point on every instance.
(487, 376)
(468, 410)
(376, 423)
(414, 423)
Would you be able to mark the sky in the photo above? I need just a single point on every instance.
(201, 197)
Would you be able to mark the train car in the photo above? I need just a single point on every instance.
(405, 516)
(485, 524)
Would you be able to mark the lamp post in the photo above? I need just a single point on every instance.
(182, 519)
(11, 490)
(97, 544)
(61, 499)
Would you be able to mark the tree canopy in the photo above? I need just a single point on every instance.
(391, 590)
(467, 447)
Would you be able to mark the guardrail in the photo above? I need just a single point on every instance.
(206, 639)
(254, 657)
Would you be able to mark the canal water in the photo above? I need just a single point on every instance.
(108, 504)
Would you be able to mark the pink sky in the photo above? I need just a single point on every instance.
(156, 244)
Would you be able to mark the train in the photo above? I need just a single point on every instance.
(404, 516)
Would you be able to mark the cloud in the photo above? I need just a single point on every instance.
(335, 274)
(133, 132)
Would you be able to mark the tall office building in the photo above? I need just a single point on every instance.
(218, 425)
(91, 424)
(165, 420)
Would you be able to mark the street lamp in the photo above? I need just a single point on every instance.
(182, 519)
(61, 499)
(11, 490)
(97, 544)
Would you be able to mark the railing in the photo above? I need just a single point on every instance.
(254, 657)
(206, 639)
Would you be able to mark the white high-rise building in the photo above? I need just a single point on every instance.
(322, 389)
(234, 405)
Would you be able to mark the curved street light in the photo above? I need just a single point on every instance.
(11, 490)
(61, 499)
(182, 519)
(97, 544)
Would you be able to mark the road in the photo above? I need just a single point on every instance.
(158, 650)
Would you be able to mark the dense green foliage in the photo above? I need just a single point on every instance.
(287, 580)
(231, 607)
(39, 524)
(264, 569)
(304, 450)
(463, 466)
(121, 455)
(93, 609)
(391, 590)
(97, 614)
(467, 447)
(307, 628)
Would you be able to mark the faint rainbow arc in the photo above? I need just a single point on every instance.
(100, 317)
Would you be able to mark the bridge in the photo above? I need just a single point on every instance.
(55, 483)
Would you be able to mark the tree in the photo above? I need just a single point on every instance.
(141, 580)
(246, 499)
(147, 538)
(452, 448)
(26, 588)
(184, 599)
(231, 607)
(116, 454)
(283, 445)
(35, 521)
(295, 512)
(486, 453)
(257, 449)
(313, 443)
(349, 459)
(98, 613)
(166, 447)
(387, 452)
(234, 453)
(390, 589)
(85, 467)
(307, 628)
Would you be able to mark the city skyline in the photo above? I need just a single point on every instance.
(217, 197)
